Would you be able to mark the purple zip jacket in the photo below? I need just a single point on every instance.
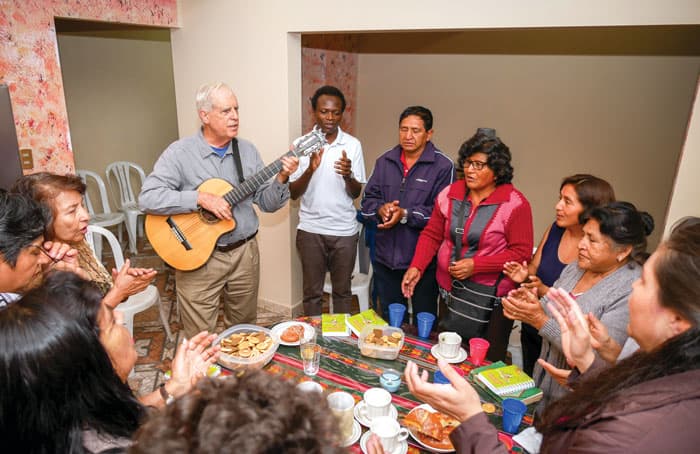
(416, 193)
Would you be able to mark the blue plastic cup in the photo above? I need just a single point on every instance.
(396, 313)
(513, 412)
(440, 379)
(425, 324)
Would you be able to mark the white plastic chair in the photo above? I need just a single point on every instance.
(121, 172)
(105, 218)
(135, 303)
(359, 284)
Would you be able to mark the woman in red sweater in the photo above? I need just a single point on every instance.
(478, 223)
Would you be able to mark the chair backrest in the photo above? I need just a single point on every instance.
(93, 235)
(121, 172)
(89, 176)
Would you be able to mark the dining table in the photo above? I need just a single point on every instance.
(343, 368)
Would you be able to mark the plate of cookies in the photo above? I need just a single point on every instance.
(246, 347)
(289, 333)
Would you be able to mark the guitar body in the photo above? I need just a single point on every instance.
(186, 241)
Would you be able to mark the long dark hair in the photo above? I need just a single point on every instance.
(56, 377)
(591, 191)
(678, 264)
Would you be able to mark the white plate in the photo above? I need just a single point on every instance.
(402, 447)
(461, 356)
(415, 437)
(279, 328)
(366, 422)
(356, 432)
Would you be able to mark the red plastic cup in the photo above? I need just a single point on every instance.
(477, 350)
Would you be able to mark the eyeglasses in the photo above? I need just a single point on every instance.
(478, 165)
(46, 253)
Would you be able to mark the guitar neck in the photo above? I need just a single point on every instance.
(250, 185)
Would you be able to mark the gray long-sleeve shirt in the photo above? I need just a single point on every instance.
(607, 300)
(172, 186)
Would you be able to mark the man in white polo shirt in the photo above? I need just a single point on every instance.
(328, 182)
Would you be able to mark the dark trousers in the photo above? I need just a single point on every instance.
(321, 253)
(498, 334)
(388, 285)
(531, 343)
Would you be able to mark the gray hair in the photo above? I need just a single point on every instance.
(205, 92)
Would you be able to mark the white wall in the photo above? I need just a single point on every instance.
(620, 118)
(119, 96)
(247, 44)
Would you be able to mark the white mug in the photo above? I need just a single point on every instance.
(310, 386)
(377, 403)
(449, 344)
(389, 431)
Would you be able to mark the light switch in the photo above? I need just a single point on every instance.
(25, 156)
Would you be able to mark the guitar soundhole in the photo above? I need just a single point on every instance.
(207, 216)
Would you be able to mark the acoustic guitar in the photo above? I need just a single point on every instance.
(185, 241)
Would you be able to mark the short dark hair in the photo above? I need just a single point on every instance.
(58, 373)
(498, 154)
(625, 225)
(22, 221)
(422, 112)
(328, 90)
(44, 187)
(591, 191)
(256, 412)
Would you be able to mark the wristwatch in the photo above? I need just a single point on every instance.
(404, 218)
(167, 398)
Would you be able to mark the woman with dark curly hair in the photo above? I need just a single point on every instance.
(478, 224)
(255, 413)
(646, 403)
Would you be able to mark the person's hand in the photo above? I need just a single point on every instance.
(517, 272)
(606, 346)
(575, 337)
(289, 165)
(374, 445)
(191, 362)
(390, 214)
(561, 376)
(534, 282)
(461, 269)
(343, 166)
(63, 257)
(315, 160)
(410, 280)
(130, 281)
(215, 204)
(458, 399)
(522, 304)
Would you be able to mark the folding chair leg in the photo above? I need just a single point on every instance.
(164, 320)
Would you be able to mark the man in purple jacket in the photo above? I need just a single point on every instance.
(399, 197)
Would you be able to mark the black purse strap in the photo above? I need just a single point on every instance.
(458, 232)
(237, 159)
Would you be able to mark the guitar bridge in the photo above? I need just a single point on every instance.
(178, 234)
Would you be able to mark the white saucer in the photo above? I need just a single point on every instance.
(356, 432)
(279, 328)
(461, 356)
(402, 447)
(364, 421)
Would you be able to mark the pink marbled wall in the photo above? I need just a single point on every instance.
(329, 67)
(29, 65)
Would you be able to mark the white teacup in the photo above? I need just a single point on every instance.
(310, 386)
(449, 344)
(377, 403)
(342, 405)
(389, 431)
